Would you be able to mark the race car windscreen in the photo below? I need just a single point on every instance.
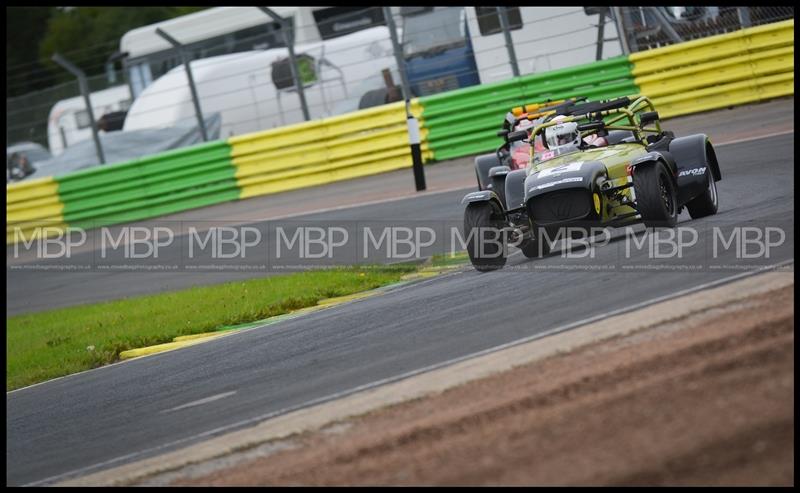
(548, 154)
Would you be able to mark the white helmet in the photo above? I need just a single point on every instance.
(562, 134)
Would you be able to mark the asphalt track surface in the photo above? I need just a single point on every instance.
(124, 412)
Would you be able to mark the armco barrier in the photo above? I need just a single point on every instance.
(33, 207)
(745, 66)
(464, 122)
(143, 188)
(148, 187)
(341, 147)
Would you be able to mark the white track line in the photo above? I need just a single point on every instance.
(412, 373)
(200, 401)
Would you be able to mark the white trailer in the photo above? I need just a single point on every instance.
(235, 51)
(547, 38)
(252, 90)
(224, 30)
(207, 33)
(68, 121)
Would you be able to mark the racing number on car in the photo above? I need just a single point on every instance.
(576, 166)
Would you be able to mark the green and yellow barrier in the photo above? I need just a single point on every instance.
(745, 66)
(465, 122)
(153, 186)
(356, 144)
(33, 209)
(118, 193)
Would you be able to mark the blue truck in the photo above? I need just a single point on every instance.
(437, 49)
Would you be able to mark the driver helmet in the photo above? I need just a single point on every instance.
(562, 134)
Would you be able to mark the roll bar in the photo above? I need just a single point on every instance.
(598, 111)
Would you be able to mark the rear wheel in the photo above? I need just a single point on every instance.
(706, 203)
(655, 195)
(482, 166)
(483, 226)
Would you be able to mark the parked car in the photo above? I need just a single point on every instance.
(20, 158)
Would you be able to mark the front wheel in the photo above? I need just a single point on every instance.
(483, 226)
(537, 245)
(706, 203)
(656, 200)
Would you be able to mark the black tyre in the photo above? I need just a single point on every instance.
(706, 203)
(483, 223)
(537, 246)
(482, 166)
(655, 195)
(499, 187)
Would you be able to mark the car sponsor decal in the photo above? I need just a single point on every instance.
(557, 182)
(576, 166)
(476, 195)
(693, 172)
(547, 155)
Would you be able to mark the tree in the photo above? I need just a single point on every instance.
(87, 36)
(93, 33)
(25, 27)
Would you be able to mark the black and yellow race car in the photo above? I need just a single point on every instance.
(603, 163)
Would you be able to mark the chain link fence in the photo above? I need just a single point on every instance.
(347, 61)
(653, 27)
(27, 116)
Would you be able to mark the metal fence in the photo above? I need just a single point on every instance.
(353, 65)
(653, 27)
(27, 115)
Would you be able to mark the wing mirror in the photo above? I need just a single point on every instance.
(648, 118)
(517, 136)
(594, 126)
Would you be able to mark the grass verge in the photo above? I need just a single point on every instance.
(46, 345)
